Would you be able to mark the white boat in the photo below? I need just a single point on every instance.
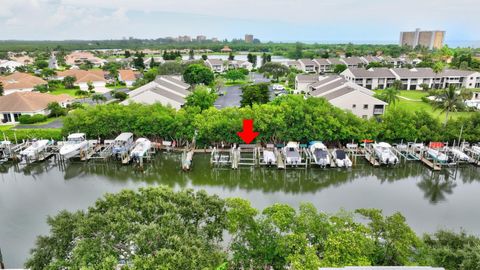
(269, 157)
(320, 154)
(123, 143)
(141, 147)
(459, 155)
(34, 149)
(476, 149)
(437, 155)
(385, 154)
(292, 153)
(76, 142)
(341, 158)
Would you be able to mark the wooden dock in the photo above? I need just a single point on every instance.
(280, 161)
(430, 164)
(370, 157)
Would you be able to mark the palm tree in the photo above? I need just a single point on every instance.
(390, 95)
(447, 101)
(98, 97)
(437, 69)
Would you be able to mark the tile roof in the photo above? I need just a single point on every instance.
(335, 61)
(215, 62)
(353, 61)
(307, 62)
(322, 61)
(29, 101)
(415, 73)
(127, 75)
(338, 93)
(84, 76)
(19, 80)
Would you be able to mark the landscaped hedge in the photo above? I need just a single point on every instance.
(27, 134)
(32, 119)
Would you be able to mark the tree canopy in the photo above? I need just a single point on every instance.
(198, 74)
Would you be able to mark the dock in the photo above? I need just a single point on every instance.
(370, 156)
(280, 160)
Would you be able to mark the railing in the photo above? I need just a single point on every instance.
(377, 111)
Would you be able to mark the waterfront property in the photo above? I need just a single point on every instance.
(342, 94)
(412, 79)
(28, 103)
(20, 82)
(167, 90)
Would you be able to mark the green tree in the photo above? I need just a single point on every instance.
(90, 86)
(191, 55)
(235, 75)
(202, 97)
(48, 72)
(152, 63)
(198, 74)
(390, 95)
(252, 58)
(152, 228)
(69, 82)
(277, 70)
(55, 109)
(447, 101)
(339, 68)
(97, 98)
(127, 54)
(397, 85)
(255, 94)
(41, 64)
(138, 60)
(231, 56)
(120, 95)
(437, 68)
(204, 57)
(218, 84)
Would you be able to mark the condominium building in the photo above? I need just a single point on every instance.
(201, 38)
(248, 38)
(429, 39)
(412, 79)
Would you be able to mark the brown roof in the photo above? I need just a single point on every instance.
(29, 101)
(127, 75)
(226, 49)
(84, 75)
(19, 80)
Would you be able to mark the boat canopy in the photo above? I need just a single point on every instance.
(384, 144)
(76, 136)
(292, 145)
(124, 137)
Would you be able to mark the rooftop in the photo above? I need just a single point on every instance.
(29, 101)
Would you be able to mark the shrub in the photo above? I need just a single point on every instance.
(120, 95)
(32, 119)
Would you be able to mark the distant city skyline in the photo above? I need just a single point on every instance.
(268, 20)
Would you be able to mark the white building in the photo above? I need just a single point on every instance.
(167, 90)
(342, 94)
(373, 78)
(28, 103)
(9, 66)
(216, 65)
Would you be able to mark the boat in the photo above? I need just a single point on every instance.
(76, 142)
(141, 148)
(269, 157)
(32, 151)
(320, 154)
(341, 158)
(476, 149)
(292, 153)
(385, 154)
(437, 155)
(5, 150)
(123, 144)
(459, 155)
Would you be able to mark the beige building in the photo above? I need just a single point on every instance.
(20, 82)
(248, 38)
(429, 39)
(342, 94)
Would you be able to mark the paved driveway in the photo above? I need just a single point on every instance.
(233, 94)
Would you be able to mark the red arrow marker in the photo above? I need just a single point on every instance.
(247, 135)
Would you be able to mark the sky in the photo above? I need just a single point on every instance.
(268, 20)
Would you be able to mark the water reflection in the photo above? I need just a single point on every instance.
(165, 170)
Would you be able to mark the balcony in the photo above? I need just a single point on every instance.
(377, 111)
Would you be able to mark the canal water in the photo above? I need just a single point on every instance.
(430, 201)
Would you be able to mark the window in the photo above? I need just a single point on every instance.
(354, 106)
(364, 116)
(365, 107)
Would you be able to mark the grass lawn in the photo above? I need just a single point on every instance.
(416, 104)
(242, 82)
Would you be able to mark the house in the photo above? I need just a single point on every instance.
(83, 77)
(233, 64)
(323, 65)
(81, 57)
(307, 65)
(303, 81)
(216, 65)
(20, 82)
(167, 90)
(148, 60)
(127, 76)
(372, 78)
(28, 103)
(346, 95)
(7, 66)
